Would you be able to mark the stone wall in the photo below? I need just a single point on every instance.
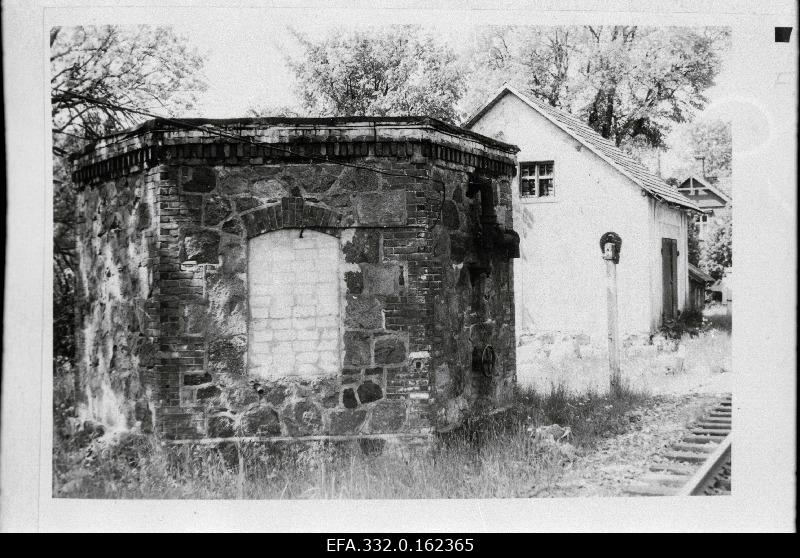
(420, 296)
(116, 314)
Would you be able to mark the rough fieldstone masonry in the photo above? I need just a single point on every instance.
(240, 280)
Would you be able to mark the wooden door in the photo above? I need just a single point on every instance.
(669, 269)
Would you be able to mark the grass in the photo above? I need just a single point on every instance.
(493, 457)
(486, 458)
(651, 368)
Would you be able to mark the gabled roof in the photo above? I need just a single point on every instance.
(724, 185)
(600, 146)
(708, 185)
(699, 274)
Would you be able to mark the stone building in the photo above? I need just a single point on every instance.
(294, 278)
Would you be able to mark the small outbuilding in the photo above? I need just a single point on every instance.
(572, 187)
(721, 290)
(699, 282)
(274, 278)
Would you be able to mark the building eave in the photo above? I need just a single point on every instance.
(717, 191)
(506, 89)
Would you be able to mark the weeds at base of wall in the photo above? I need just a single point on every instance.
(654, 367)
(509, 454)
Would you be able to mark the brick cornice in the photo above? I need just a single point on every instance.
(92, 168)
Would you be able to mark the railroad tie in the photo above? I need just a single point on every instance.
(650, 490)
(674, 468)
(666, 480)
(701, 439)
(706, 432)
(696, 455)
(713, 426)
(703, 448)
(687, 456)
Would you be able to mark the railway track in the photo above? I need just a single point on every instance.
(697, 465)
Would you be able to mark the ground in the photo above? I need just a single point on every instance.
(678, 398)
(618, 462)
(652, 368)
(602, 443)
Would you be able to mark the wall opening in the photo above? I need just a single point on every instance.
(294, 300)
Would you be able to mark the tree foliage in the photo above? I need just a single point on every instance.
(625, 81)
(141, 67)
(400, 71)
(266, 110)
(630, 83)
(695, 246)
(711, 139)
(717, 251)
(537, 60)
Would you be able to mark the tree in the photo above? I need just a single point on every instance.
(712, 140)
(264, 110)
(537, 60)
(717, 253)
(378, 72)
(695, 246)
(626, 82)
(709, 139)
(144, 68)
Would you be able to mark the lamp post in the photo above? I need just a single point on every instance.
(611, 245)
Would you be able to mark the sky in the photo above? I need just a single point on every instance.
(246, 68)
(246, 64)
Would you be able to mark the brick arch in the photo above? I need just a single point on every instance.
(291, 213)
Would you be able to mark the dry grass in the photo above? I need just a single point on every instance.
(486, 458)
(648, 368)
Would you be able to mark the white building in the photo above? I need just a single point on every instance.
(709, 196)
(572, 186)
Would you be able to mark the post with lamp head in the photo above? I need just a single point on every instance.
(611, 246)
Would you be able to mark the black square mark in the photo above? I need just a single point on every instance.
(782, 34)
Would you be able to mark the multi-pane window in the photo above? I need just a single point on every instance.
(702, 223)
(536, 180)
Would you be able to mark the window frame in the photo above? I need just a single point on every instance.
(536, 196)
(703, 223)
